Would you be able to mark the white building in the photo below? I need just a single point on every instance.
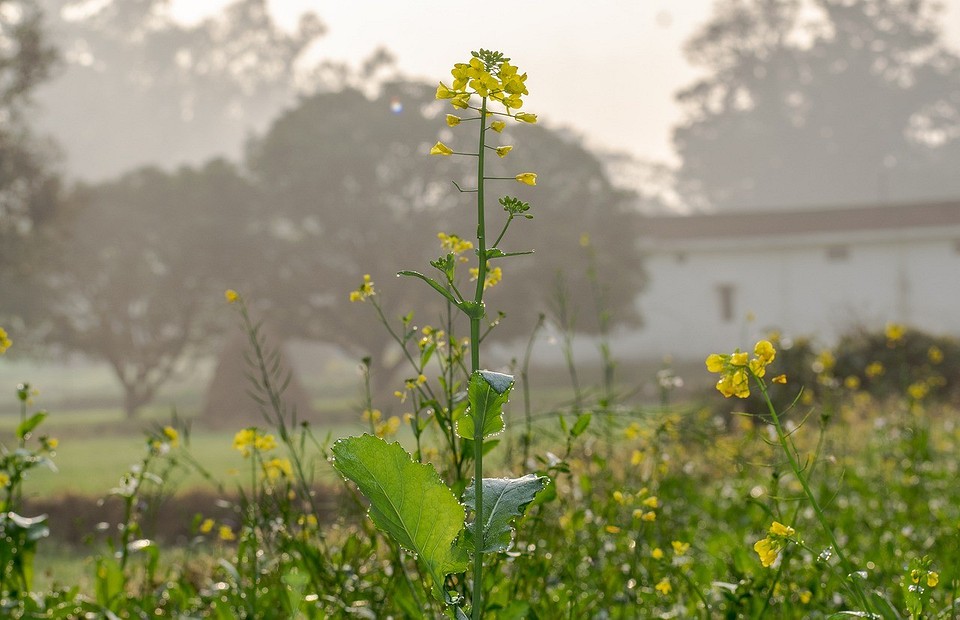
(717, 282)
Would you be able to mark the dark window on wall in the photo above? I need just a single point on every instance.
(836, 253)
(725, 294)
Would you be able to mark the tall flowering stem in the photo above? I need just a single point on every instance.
(489, 76)
(736, 371)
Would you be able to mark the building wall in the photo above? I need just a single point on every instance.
(818, 285)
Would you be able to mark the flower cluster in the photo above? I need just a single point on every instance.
(251, 440)
(491, 279)
(769, 548)
(364, 291)
(5, 341)
(736, 369)
(489, 76)
(454, 244)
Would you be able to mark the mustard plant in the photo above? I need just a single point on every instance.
(737, 372)
(487, 92)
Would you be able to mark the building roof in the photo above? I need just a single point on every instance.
(803, 221)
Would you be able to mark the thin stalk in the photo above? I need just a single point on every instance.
(821, 517)
(474, 367)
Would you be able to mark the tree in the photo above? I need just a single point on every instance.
(139, 88)
(826, 102)
(143, 268)
(351, 190)
(28, 186)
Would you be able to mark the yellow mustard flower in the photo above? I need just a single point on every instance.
(493, 277)
(173, 437)
(933, 578)
(206, 526)
(935, 354)
(231, 295)
(453, 243)
(918, 390)
(453, 120)
(679, 547)
(636, 457)
(4, 479)
(277, 467)
(649, 516)
(663, 586)
(52, 443)
(364, 291)
(441, 149)
(497, 126)
(443, 92)
(503, 150)
(526, 117)
(461, 101)
(769, 548)
(852, 382)
(780, 379)
(265, 443)
(736, 368)
(226, 533)
(806, 596)
(894, 332)
(657, 554)
(5, 342)
(612, 529)
(651, 502)
(530, 178)
(874, 369)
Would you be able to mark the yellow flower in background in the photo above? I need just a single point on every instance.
(933, 578)
(526, 117)
(918, 390)
(5, 342)
(780, 379)
(453, 120)
(173, 437)
(231, 295)
(493, 277)
(779, 529)
(663, 586)
(657, 554)
(226, 533)
(206, 526)
(497, 126)
(530, 178)
(503, 150)
(265, 443)
(874, 370)
(364, 291)
(276, 467)
(852, 382)
(4, 479)
(249, 439)
(441, 149)
(679, 547)
(453, 243)
(894, 332)
(935, 354)
(651, 502)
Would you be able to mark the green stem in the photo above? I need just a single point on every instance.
(848, 568)
(474, 367)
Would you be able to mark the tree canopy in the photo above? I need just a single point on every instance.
(28, 183)
(139, 88)
(819, 103)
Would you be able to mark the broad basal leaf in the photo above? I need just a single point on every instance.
(503, 500)
(408, 501)
(487, 393)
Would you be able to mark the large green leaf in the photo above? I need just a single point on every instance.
(487, 393)
(408, 501)
(503, 500)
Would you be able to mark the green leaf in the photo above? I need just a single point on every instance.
(408, 502)
(436, 285)
(487, 393)
(581, 424)
(30, 423)
(503, 500)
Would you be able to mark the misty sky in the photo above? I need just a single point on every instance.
(606, 68)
